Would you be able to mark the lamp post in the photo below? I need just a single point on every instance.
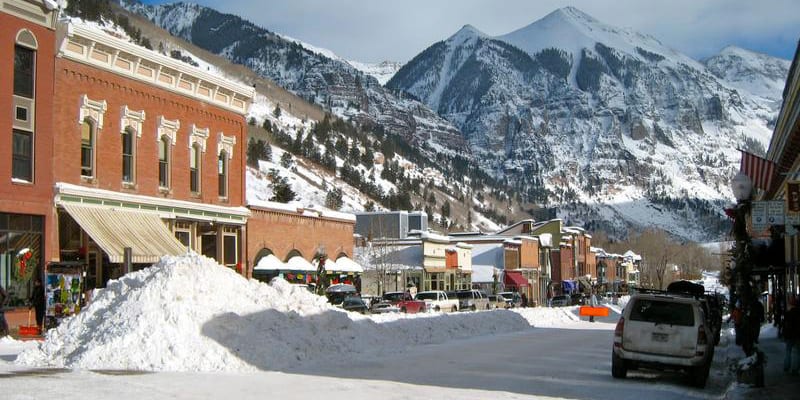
(741, 290)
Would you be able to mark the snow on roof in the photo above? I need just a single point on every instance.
(298, 263)
(435, 237)
(345, 264)
(630, 254)
(269, 263)
(463, 245)
(484, 273)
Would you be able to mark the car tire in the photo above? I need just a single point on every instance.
(437, 309)
(618, 368)
(473, 308)
(454, 309)
(403, 310)
(699, 375)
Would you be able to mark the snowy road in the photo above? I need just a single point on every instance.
(570, 363)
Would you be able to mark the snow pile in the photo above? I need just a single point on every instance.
(188, 313)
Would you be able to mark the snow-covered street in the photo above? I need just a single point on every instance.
(175, 331)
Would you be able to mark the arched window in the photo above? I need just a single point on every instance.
(163, 162)
(87, 148)
(24, 106)
(24, 64)
(128, 164)
(222, 172)
(194, 168)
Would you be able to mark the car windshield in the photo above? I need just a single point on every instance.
(508, 295)
(427, 296)
(464, 295)
(662, 312)
(394, 296)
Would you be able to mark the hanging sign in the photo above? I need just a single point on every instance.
(758, 213)
(793, 203)
(775, 213)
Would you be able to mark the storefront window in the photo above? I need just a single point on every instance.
(21, 248)
(229, 248)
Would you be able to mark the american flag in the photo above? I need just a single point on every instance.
(759, 170)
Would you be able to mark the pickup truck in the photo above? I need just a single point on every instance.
(404, 302)
(437, 300)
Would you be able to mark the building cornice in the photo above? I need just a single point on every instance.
(167, 208)
(104, 51)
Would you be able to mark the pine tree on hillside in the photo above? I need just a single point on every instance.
(286, 160)
(446, 209)
(333, 199)
(277, 111)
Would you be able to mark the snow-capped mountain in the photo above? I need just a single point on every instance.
(750, 72)
(309, 73)
(382, 71)
(607, 123)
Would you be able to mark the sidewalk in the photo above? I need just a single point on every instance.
(777, 384)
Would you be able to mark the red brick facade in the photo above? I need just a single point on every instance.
(74, 80)
(32, 198)
(282, 232)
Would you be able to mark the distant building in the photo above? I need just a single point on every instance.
(390, 224)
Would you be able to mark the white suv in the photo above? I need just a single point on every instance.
(663, 331)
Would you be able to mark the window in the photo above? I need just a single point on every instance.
(24, 63)
(87, 148)
(163, 162)
(22, 157)
(194, 168)
(229, 248)
(222, 170)
(127, 155)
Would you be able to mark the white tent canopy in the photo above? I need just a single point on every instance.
(298, 263)
(269, 263)
(344, 264)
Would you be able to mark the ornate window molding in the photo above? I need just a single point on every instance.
(168, 128)
(133, 119)
(199, 136)
(93, 109)
(27, 38)
(225, 143)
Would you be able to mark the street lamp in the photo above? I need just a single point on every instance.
(741, 290)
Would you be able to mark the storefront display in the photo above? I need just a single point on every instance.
(63, 292)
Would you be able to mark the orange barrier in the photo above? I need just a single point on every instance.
(589, 311)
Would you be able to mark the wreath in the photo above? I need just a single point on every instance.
(24, 265)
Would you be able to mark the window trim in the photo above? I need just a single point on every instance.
(164, 140)
(198, 170)
(222, 176)
(130, 131)
(30, 156)
(92, 147)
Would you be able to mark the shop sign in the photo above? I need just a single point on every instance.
(758, 214)
(775, 213)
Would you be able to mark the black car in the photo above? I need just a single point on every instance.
(355, 304)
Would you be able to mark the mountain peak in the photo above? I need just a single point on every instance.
(467, 32)
(572, 15)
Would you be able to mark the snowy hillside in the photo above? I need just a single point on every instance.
(382, 71)
(750, 72)
(607, 124)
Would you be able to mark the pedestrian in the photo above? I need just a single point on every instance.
(3, 323)
(37, 301)
(756, 318)
(791, 336)
(524, 300)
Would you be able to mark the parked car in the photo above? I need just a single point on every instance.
(404, 302)
(438, 300)
(472, 300)
(356, 304)
(561, 301)
(382, 307)
(498, 301)
(514, 299)
(663, 331)
(337, 293)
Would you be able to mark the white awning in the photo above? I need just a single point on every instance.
(115, 229)
(270, 263)
(343, 264)
(298, 263)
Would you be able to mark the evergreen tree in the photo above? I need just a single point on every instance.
(277, 111)
(369, 206)
(267, 125)
(251, 121)
(446, 209)
(286, 160)
(281, 189)
(333, 199)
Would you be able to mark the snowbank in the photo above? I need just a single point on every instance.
(188, 313)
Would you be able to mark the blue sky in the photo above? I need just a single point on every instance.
(377, 30)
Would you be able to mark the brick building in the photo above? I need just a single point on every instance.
(27, 48)
(151, 157)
